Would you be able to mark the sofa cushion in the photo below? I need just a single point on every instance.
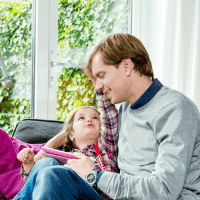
(35, 131)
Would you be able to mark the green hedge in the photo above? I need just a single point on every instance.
(80, 24)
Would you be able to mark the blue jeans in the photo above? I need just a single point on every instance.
(49, 180)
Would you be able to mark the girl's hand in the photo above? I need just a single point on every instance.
(89, 74)
(26, 155)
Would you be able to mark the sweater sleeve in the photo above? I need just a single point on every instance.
(175, 127)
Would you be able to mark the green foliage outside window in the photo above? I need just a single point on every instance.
(15, 47)
(80, 24)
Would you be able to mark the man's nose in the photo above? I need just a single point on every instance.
(99, 85)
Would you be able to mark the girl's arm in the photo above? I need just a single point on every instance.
(55, 142)
(109, 123)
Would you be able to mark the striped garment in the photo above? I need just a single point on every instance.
(108, 139)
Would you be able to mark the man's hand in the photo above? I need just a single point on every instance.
(81, 166)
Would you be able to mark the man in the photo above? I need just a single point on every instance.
(159, 128)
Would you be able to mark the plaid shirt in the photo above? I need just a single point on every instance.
(108, 139)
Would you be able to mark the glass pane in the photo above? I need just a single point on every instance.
(15, 65)
(81, 23)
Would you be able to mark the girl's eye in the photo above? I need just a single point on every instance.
(95, 117)
(81, 118)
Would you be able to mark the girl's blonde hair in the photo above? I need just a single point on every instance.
(68, 127)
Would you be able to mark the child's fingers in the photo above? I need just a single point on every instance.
(24, 160)
(82, 68)
(89, 74)
(23, 154)
(20, 155)
(26, 153)
(31, 152)
(31, 156)
(21, 158)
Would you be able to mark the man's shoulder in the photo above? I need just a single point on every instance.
(164, 97)
(168, 99)
(168, 96)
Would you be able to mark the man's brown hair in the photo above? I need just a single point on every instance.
(116, 47)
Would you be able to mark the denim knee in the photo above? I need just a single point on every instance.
(51, 169)
(58, 174)
(43, 163)
(47, 162)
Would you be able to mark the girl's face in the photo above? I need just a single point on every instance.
(86, 127)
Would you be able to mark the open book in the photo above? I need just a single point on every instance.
(61, 156)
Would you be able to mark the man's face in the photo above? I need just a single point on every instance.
(111, 81)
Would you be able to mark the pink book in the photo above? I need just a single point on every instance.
(61, 156)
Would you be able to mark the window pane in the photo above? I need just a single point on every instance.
(81, 23)
(15, 50)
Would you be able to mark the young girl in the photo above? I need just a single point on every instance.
(84, 132)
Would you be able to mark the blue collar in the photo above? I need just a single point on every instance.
(148, 94)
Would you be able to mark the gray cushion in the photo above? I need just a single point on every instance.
(35, 131)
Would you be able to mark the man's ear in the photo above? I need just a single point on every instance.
(72, 135)
(128, 66)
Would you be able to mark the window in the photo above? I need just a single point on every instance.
(15, 65)
(80, 25)
(64, 32)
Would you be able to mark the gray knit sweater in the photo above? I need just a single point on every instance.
(159, 150)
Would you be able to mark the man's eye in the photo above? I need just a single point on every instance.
(101, 76)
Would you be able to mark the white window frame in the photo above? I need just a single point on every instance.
(46, 41)
(136, 18)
